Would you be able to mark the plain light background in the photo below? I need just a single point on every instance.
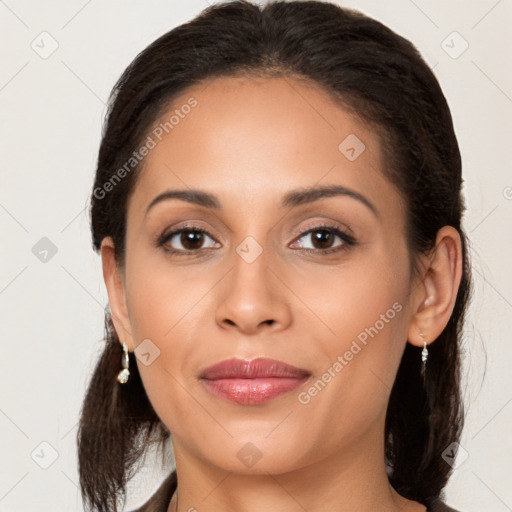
(52, 304)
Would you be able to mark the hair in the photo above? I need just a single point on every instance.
(372, 72)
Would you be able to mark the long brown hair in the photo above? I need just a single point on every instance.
(368, 69)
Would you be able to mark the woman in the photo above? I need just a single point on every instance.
(278, 206)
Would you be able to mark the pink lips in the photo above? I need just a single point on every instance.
(252, 382)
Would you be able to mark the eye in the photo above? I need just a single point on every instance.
(192, 239)
(323, 237)
(186, 240)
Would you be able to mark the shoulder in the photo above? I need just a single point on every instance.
(160, 500)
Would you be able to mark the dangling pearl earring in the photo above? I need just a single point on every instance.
(424, 355)
(123, 375)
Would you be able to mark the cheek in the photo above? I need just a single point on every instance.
(364, 303)
(364, 319)
(167, 318)
(163, 297)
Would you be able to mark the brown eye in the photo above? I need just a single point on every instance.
(322, 239)
(191, 240)
(187, 240)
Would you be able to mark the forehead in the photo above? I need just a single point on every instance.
(238, 137)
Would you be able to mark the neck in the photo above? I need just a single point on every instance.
(354, 479)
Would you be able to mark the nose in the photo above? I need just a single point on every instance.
(252, 299)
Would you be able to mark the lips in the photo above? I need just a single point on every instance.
(252, 382)
(254, 369)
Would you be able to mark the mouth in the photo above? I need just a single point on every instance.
(252, 382)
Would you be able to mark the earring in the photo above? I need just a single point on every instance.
(424, 355)
(123, 375)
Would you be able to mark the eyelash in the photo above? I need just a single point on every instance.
(348, 240)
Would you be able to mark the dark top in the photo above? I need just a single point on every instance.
(159, 502)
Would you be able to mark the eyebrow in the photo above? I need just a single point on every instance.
(290, 199)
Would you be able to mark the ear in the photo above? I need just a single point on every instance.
(114, 281)
(434, 298)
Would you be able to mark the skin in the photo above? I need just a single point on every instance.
(250, 142)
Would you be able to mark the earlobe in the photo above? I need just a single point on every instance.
(116, 292)
(435, 297)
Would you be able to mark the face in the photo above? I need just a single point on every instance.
(319, 281)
